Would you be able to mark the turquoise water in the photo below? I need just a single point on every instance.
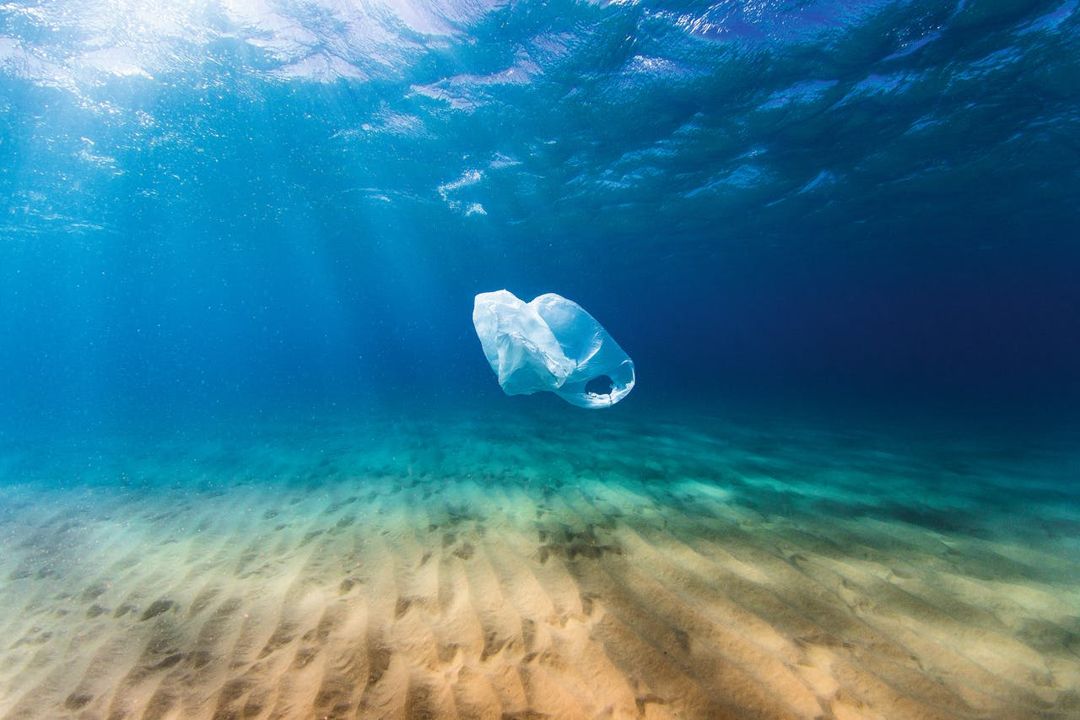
(675, 565)
(254, 463)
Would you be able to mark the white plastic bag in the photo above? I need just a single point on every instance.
(551, 344)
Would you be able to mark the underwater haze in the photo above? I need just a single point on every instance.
(254, 463)
(209, 203)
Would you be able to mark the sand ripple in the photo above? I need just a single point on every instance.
(476, 575)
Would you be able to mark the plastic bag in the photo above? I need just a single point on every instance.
(551, 344)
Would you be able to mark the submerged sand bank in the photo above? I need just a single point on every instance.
(466, 572)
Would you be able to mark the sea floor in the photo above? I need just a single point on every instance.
(509, 566)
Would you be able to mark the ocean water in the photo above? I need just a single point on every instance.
(254, 464)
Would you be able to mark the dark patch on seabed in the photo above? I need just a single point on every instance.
(706, 569)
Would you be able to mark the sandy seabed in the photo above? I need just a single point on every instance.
(501, 568)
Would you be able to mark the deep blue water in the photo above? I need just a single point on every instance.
(236, 206)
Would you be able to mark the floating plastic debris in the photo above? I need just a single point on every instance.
(551, 344)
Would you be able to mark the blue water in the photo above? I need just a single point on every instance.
(210, 204)
(840, 241)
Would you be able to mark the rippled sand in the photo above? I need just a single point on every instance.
(493, 568)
